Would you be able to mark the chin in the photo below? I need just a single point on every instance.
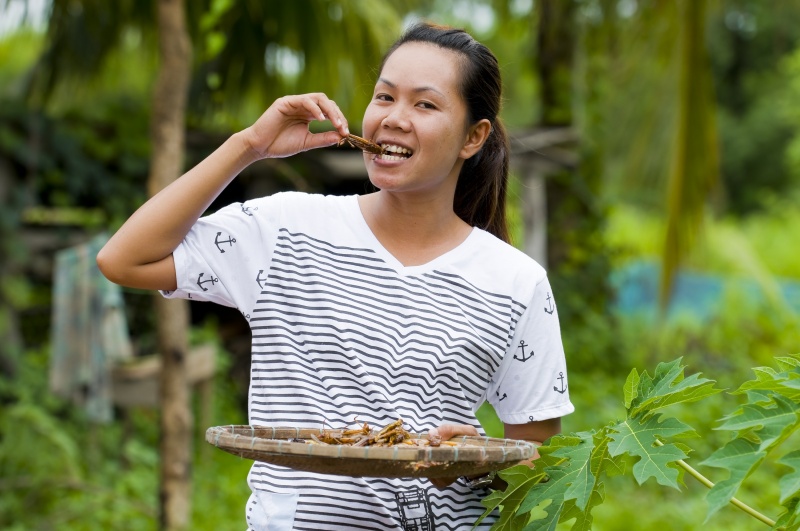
(386, 182)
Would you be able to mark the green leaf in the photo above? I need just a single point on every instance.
(602, 461)
(770, 423)
(790, 483)
(583, 518)
(787, 363)
(786, 383)
(641, 438)
(520, 479)
(566, 461)
(740, 457)
(631, 388)
(549, 521)
(789, 520)
(669, 387)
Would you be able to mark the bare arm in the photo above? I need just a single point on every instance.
(537, 432)
(139, 255)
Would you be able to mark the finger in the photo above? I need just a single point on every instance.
(311, 103)
(334, 114)
(342, 127)
(318, 140)
(442, 483)
(320, 107)
(448, 431)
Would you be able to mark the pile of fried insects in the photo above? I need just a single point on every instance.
(391, 435)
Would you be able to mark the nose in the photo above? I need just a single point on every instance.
(396, 118)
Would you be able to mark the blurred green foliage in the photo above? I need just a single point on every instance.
(88, 150)
(59, 471)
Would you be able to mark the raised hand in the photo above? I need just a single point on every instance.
(283, 130)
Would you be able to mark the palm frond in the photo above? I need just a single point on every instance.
(331, 41)
(695, 158)
(81, 35)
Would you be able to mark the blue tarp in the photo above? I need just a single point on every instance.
(694, 294)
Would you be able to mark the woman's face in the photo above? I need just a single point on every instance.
(419, 116)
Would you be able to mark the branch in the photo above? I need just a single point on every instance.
(734, 501)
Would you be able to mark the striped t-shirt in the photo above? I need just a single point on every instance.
(343, 333)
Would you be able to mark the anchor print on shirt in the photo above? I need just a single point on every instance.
(563, 388)
(499, 398)
(230, 241)
(260, 280)
(200, 281)
(550, 308)
(523, 358)
(247, 209)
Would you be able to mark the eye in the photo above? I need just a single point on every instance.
(426, 105)
(383, 97)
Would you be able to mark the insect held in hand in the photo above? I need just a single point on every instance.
(361, 143)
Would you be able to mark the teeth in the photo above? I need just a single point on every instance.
(396, 149)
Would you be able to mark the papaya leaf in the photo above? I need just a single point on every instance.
(582, 518)
(787, 363)
(549, 522)
(645, 389)
(740, 457)
(566, 461)
(520, 479)
(792, 384)
(670, 387)
(786, 383)
(641, 438)
(790, 483)
(789, 520)
(771, 423)
(603, 462)
(631, 388)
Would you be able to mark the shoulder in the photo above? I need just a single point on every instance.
(493, 266)
(505, 259)
(292, 198)
(285, 205)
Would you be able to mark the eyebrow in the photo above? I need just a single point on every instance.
(424, 88)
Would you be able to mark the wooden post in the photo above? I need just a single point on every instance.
(172, 316)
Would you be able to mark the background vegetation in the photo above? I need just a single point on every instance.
(74, 157)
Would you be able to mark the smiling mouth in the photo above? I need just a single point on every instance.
(392, 152)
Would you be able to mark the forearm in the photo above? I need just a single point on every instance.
(153, 232)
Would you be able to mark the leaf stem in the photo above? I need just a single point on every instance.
(734, 501)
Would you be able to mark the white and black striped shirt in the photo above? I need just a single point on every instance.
(343, 333)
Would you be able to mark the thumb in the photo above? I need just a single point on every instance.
(318, 140)
(448, 431)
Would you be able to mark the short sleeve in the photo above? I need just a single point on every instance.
(224, 258)
(531, 382)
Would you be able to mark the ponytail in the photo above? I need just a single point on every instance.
(480, 198)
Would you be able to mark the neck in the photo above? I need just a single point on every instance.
(414, 230)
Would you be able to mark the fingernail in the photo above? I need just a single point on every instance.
(347, 130)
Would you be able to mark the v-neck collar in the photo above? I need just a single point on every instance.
(364, 231)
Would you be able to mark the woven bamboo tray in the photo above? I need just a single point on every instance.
(472, 456)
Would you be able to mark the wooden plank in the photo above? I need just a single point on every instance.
(136, 384)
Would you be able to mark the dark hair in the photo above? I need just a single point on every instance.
(480, 197)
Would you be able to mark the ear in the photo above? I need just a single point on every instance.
(476, 136)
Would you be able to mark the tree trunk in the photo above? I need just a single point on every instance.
(577, 256)
(172, 316)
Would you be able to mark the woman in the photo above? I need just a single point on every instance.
(404, 303)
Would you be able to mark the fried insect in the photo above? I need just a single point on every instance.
(391, 435)
(361, 143)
